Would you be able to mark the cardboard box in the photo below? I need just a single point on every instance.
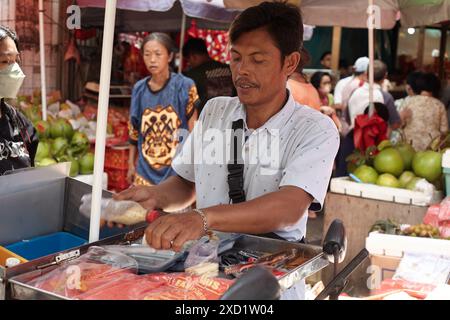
(387, 264)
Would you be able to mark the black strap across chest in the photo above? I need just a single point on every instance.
(236, 166)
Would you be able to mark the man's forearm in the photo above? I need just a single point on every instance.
(262, 215)
(175, 194)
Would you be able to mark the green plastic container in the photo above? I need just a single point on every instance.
(447, 181)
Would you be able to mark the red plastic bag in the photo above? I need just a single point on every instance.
(369, 131)
(432, 216)
(414, 289)
(93, 270)
(161, 286)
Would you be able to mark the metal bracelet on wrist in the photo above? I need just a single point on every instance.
(205, 221)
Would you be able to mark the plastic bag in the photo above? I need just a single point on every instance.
(161, 286)
(432, 216)
(123, 212)
(202, 253)
(423, 268)
(93, 270)
(424, 186)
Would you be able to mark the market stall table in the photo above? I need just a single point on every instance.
(358, 215)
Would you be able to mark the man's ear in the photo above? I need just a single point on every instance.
(291, 62)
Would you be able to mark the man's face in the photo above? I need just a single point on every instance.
(326, 61)
(193, 60)
(258, 74)
(8, 53)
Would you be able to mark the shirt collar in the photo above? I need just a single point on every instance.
(277, 121)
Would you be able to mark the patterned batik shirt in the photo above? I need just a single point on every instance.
(155, 117)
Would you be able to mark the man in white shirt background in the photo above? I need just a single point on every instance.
(359, 100)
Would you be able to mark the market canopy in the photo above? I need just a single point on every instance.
(345, 13)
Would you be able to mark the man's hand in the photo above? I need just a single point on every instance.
(174, 230)
(144, 195)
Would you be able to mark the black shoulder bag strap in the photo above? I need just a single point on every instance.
(236, 167)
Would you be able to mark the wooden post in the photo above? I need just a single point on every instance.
(442, 50)
(420, 47)
(336, 47)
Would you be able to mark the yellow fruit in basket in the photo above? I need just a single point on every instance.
(388, 180)
(366, 174)
(405, 178)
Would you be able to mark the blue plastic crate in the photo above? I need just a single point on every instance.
(44, 245)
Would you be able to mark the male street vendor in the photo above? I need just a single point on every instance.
(270, 193)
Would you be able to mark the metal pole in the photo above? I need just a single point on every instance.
(183, 31)
(42, 60)
(371, 56)
(102, 117)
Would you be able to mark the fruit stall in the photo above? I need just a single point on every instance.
(53, 259)
(398, 196)
(68, 135)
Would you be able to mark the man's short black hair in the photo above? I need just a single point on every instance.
(324, 55)
(195, 46)
(380, 109)
(416, 81)
(432, 84)
(282, 21)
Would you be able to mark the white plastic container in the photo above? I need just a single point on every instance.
(344, 185)
(396, 245)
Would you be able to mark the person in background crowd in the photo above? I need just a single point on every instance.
(358, 79)
(360, 97)
(380, 80)
(425, 116)
(322, 82)
(212, 78)
(325, 60)
(301, 89)
(18, 137)
(161, 104)
(413, 80)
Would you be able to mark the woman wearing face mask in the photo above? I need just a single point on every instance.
(161, 104)
(18, 138)
(322, 82)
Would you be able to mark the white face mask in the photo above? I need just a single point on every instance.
(11, 79)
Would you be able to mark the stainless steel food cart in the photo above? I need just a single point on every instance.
(46, 200)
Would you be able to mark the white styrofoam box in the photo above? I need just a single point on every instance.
(89, 179)
(446, 159)
(397, 245)
(345, 185)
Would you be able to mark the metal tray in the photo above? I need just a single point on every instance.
(17, 287)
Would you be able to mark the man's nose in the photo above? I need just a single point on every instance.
(243, 68)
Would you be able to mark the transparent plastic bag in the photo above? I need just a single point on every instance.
(161, 286)
(201, 253)
(123, 212)
(93, 270)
